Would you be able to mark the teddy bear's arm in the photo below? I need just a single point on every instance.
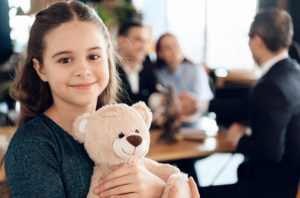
(163, 171)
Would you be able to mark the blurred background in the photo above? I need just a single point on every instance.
(213, 33)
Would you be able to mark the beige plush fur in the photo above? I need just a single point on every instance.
(119, 134)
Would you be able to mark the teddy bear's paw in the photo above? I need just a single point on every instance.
(181, 181)
(184, 187)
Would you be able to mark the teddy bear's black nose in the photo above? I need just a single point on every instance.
(134, 140)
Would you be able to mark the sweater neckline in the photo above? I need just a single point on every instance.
(54, 124)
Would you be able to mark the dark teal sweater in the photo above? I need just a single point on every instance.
(43, 160)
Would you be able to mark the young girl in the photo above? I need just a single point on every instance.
(69, 70)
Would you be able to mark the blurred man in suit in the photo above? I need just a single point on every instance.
(273, 148)
(136, 68)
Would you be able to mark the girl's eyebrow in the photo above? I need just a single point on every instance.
(62, 52)
(69, 52)
(97, 47)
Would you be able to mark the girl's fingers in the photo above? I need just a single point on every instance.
(118, 167)
(194, 188)
(114, 174)
(119, 172)
(173, 193)
(131, 195)
(120, 181)
(125, 189)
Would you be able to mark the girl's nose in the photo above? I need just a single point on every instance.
(82, 70)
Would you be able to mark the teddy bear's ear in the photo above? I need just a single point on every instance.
(79, 127)
(142, 108)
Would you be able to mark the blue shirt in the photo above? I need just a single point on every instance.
(187, 77)
(43, 160)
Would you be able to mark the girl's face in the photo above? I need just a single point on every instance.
(75, 63)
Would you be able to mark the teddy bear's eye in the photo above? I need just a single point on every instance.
(137, 131)
(121, 135)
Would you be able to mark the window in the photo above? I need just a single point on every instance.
(19, 23)
(214, 31)
(211, 31)
(228, 24)
(186, 20)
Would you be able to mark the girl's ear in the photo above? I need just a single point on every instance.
(39, 69)
(145, 112)
(79, 127)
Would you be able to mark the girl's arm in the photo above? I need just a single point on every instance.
(134, 181)
(32, 167)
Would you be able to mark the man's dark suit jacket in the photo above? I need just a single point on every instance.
(274, 146)
(147, 84)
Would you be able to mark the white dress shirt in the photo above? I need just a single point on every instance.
(133, 76)
(271, 62)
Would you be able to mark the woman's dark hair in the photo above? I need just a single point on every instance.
(33, 94)
(160, 62)
(275, 27)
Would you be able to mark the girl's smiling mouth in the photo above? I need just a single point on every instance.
(83, 86)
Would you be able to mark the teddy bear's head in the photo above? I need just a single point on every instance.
(115, 134)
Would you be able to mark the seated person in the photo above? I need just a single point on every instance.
(135, 70)
(189, 81)
(271, 167)
(272, 150)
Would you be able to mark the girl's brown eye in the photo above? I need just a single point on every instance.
(94, 57)
(65, 60)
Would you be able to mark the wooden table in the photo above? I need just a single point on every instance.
(184, 149)
(184, 153)
(7, 131)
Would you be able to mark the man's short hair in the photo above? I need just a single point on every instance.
(125, 27)
(275, 27)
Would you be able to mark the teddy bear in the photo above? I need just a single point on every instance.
(119, 134)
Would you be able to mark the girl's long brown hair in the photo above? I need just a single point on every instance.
(33, 94)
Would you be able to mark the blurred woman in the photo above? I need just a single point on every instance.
(189, 81)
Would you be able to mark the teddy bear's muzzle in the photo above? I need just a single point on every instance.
(130, 146)
(134, 140)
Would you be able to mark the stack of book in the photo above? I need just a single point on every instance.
(199, 130)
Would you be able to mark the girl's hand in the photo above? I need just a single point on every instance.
(174, 191)
(130, 182)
